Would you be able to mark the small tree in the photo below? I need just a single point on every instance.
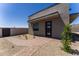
(66, 38)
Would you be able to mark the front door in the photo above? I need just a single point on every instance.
(48, 28)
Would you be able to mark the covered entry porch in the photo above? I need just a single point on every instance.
(50, 25)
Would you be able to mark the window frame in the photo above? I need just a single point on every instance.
(36, 26)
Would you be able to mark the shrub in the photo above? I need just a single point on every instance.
(66, 38)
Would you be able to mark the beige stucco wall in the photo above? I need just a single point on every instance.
(0, 32)
(17, 31)
(62, 9)
(30, 31)
(57, 27)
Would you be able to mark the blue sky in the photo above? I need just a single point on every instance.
(75, 9)
(16, 15)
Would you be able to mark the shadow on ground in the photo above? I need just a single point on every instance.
(75, 37)
(74, 52)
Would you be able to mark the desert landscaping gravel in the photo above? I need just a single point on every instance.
(38, 46)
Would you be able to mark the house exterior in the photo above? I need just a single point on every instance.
(50, 22)
(4, 32)
(75, 28)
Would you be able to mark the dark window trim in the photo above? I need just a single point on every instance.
(36, 26)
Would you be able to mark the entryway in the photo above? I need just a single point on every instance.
(48, 28)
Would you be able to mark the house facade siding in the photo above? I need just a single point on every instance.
(58, 21)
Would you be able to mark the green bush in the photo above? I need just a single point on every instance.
(66, 38)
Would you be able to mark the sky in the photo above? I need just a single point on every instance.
(16, 14)
(74, 9)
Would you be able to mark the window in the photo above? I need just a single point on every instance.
(36, 26)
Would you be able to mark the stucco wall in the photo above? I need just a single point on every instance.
(57, 27)
(0, 32)
(17, 31)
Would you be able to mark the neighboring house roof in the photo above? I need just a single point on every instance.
(73, 16)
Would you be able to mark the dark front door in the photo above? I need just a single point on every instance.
(5, 32)
(48, 28)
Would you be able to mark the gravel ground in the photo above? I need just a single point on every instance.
(39, 46)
